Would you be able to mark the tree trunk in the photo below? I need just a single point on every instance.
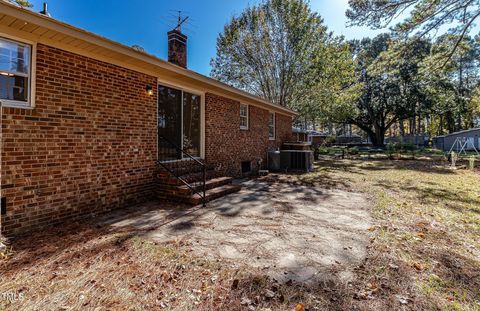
(379, 137)
(450, 122)
(402, 128)
(373, 137)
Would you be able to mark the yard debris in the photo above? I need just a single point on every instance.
(403, 300)
(300, 307)
(269, 294)
(418, 266)
(88, 263)
(393, 266)
(245, 301)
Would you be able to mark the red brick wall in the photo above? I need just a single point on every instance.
(283, 129)
(226, 145)
(89, 145)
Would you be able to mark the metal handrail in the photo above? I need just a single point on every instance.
(203, 166)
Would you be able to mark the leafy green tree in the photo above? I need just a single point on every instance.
(424, 16)
(390, 88)
(452, 87)
(474, 107)
(22, 3)
(282, 51)
(336, 86)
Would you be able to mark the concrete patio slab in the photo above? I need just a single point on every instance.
(293, 232)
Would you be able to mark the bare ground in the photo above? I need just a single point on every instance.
(423, 249)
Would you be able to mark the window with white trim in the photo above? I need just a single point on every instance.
(271, 125)
(15, 72)
(243, 116)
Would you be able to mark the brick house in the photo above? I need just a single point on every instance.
(82, 118)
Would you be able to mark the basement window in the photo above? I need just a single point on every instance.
(246, 167)
(243, 117)
(15, 73)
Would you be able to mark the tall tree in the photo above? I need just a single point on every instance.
(453, 86)
(424, 16)
(390, 88)
(281, 51)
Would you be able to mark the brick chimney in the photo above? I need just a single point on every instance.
(177, 48)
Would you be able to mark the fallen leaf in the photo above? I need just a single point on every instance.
(372, 285)
(418, 266)
(300, 307)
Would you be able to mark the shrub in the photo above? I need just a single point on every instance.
(330, 140)
(409, 147)
(391, 148)
(353, 151)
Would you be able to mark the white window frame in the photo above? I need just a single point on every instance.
(244, 127)
(274, 125)
(30, 103)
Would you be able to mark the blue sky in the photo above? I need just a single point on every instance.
(146, 22)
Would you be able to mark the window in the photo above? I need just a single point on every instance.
(179, 123)
(244, 117)
(15, 72)
(271, 125)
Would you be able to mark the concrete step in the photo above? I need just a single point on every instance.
(169, 179)
(210, 184)
(215, 193)
(183, 170)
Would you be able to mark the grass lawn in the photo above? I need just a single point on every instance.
(424, 255)
(426, 251)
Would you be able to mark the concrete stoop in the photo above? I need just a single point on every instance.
(171, 188)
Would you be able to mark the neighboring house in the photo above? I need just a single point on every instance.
(417, 140)
(299, 134)
(471, 137)
(84, 120)
(348, 139)
(317, 138)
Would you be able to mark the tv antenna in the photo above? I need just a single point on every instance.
(178, 20)
(181, 21)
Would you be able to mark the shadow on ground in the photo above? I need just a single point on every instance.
(292, 232)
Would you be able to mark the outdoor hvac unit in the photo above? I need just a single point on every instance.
(296, 160)
(274, 160)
